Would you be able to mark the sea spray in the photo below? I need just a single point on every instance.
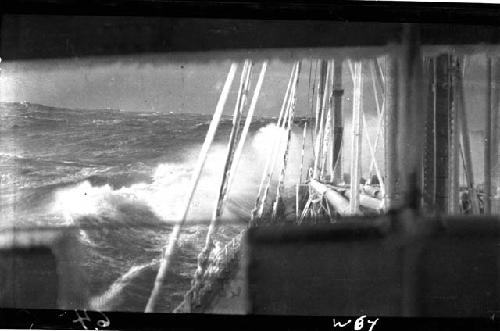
(108, 299)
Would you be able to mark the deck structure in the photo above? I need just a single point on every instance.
(425, 152)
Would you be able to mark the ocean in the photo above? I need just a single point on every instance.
(122, 178)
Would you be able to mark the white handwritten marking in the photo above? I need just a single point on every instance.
(359, 323)
(81, 319)
(102, 323)
(339, 324)
(372, 324)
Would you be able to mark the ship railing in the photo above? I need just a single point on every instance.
(198, 295)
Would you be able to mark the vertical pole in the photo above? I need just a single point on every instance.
(495, 139)
(487, 140)
(391, 132)
(356, 137)
(338, 128)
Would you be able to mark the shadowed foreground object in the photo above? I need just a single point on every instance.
(386, 266)
(431, 268)
(39, 269)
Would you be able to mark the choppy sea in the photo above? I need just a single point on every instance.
(122, 178)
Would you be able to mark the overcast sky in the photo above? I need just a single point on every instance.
(132, 84)
(146, 83)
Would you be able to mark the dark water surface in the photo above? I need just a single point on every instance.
(122, 177)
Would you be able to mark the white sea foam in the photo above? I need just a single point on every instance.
(165, 196)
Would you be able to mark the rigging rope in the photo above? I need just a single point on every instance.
(174, 236)
(331, 121)
(292, 103)
(281, 135)
(326, 145)
(297, 215)
(192, 296)
(313, 132)
(320, 106)
(303, 152)
(280, 122)
(248, 121)
(203, 257)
